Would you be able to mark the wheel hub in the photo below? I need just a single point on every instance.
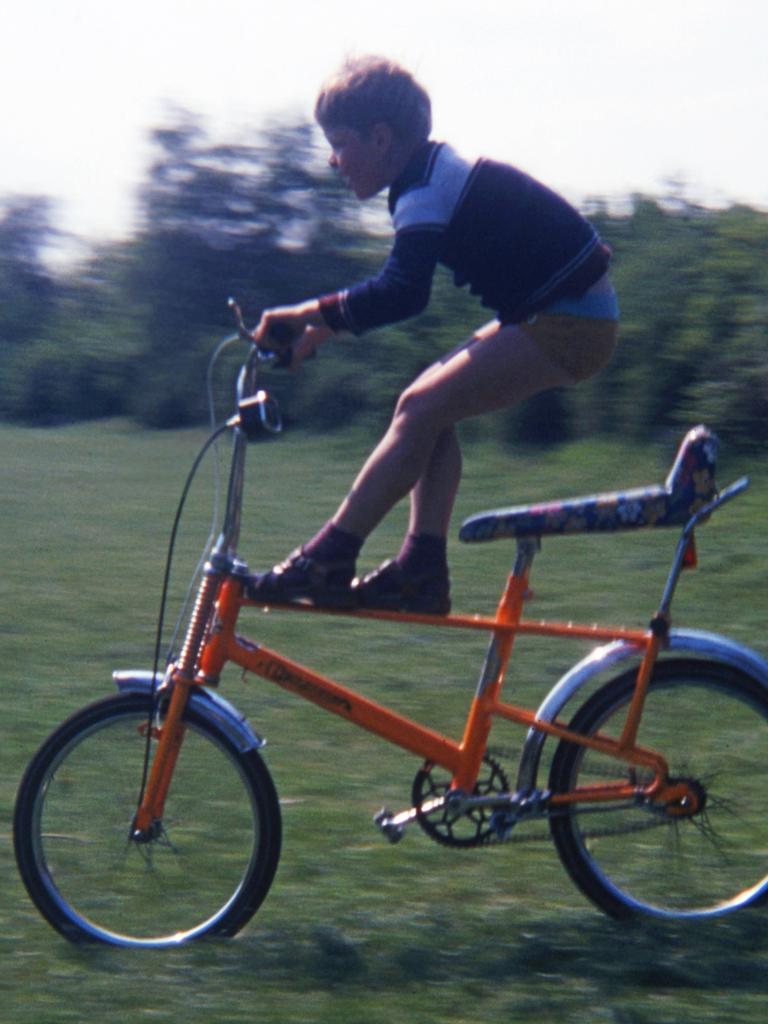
(683, 798)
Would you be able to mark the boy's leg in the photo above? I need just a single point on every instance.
(500, 367)
(434, 494)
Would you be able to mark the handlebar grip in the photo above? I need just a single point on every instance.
(282, 333)
(284, 337)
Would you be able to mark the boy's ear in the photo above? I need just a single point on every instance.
(382, 136)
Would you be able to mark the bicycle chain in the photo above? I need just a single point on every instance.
(442, 831)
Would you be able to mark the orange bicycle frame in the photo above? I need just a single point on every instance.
(462, 759)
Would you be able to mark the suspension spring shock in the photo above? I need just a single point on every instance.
(198, 624)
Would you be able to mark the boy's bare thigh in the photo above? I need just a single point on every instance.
(501, 365)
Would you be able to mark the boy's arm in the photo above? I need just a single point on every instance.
(401, 289)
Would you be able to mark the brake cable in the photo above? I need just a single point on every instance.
(209, 442)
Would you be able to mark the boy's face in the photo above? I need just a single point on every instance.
(362, 160)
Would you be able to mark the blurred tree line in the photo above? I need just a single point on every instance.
(127, 331)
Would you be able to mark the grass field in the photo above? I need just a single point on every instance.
(354, 930)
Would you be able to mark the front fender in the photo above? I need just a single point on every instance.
(218, 712)
(692, 642)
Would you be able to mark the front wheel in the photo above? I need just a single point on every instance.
(205, 872)
(710, 722)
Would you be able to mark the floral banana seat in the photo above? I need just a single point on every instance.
(689, 485)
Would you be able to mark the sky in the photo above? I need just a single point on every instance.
(595, 97)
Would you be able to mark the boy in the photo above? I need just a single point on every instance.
(528, 255)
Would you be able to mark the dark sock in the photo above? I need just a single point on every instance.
(423, 553)
(331, 544)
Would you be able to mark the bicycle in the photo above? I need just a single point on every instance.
(149, 818)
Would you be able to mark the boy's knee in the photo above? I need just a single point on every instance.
(415, 406)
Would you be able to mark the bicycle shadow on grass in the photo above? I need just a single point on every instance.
(730, 953)
(551, 967)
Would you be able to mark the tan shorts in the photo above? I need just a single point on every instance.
(580, 345)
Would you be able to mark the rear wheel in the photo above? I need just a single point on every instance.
(710, 722)
(204, 872)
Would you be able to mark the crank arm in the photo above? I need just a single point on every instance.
(393, 825)
(455, 803)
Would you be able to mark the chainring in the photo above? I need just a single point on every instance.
(467, 829)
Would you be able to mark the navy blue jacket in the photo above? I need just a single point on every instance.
(517, 244)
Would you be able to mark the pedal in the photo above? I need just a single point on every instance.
(389, 826)
(501, 823)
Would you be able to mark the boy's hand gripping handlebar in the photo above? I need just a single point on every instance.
(281, 334)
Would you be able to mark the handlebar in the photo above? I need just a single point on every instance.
(282, 335)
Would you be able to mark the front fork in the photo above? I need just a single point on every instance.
(170, 735)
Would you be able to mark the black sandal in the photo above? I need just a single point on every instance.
(390, 588)
(302, 578)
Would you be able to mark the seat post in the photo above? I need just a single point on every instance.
(527, 549)
(508, 612)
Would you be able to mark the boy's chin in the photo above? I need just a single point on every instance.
(368, 192)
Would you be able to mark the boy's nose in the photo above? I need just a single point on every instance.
(333, 161)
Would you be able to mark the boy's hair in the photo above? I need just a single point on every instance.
(368, 90)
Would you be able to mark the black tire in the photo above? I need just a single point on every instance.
(206, 873)
(710, 722)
